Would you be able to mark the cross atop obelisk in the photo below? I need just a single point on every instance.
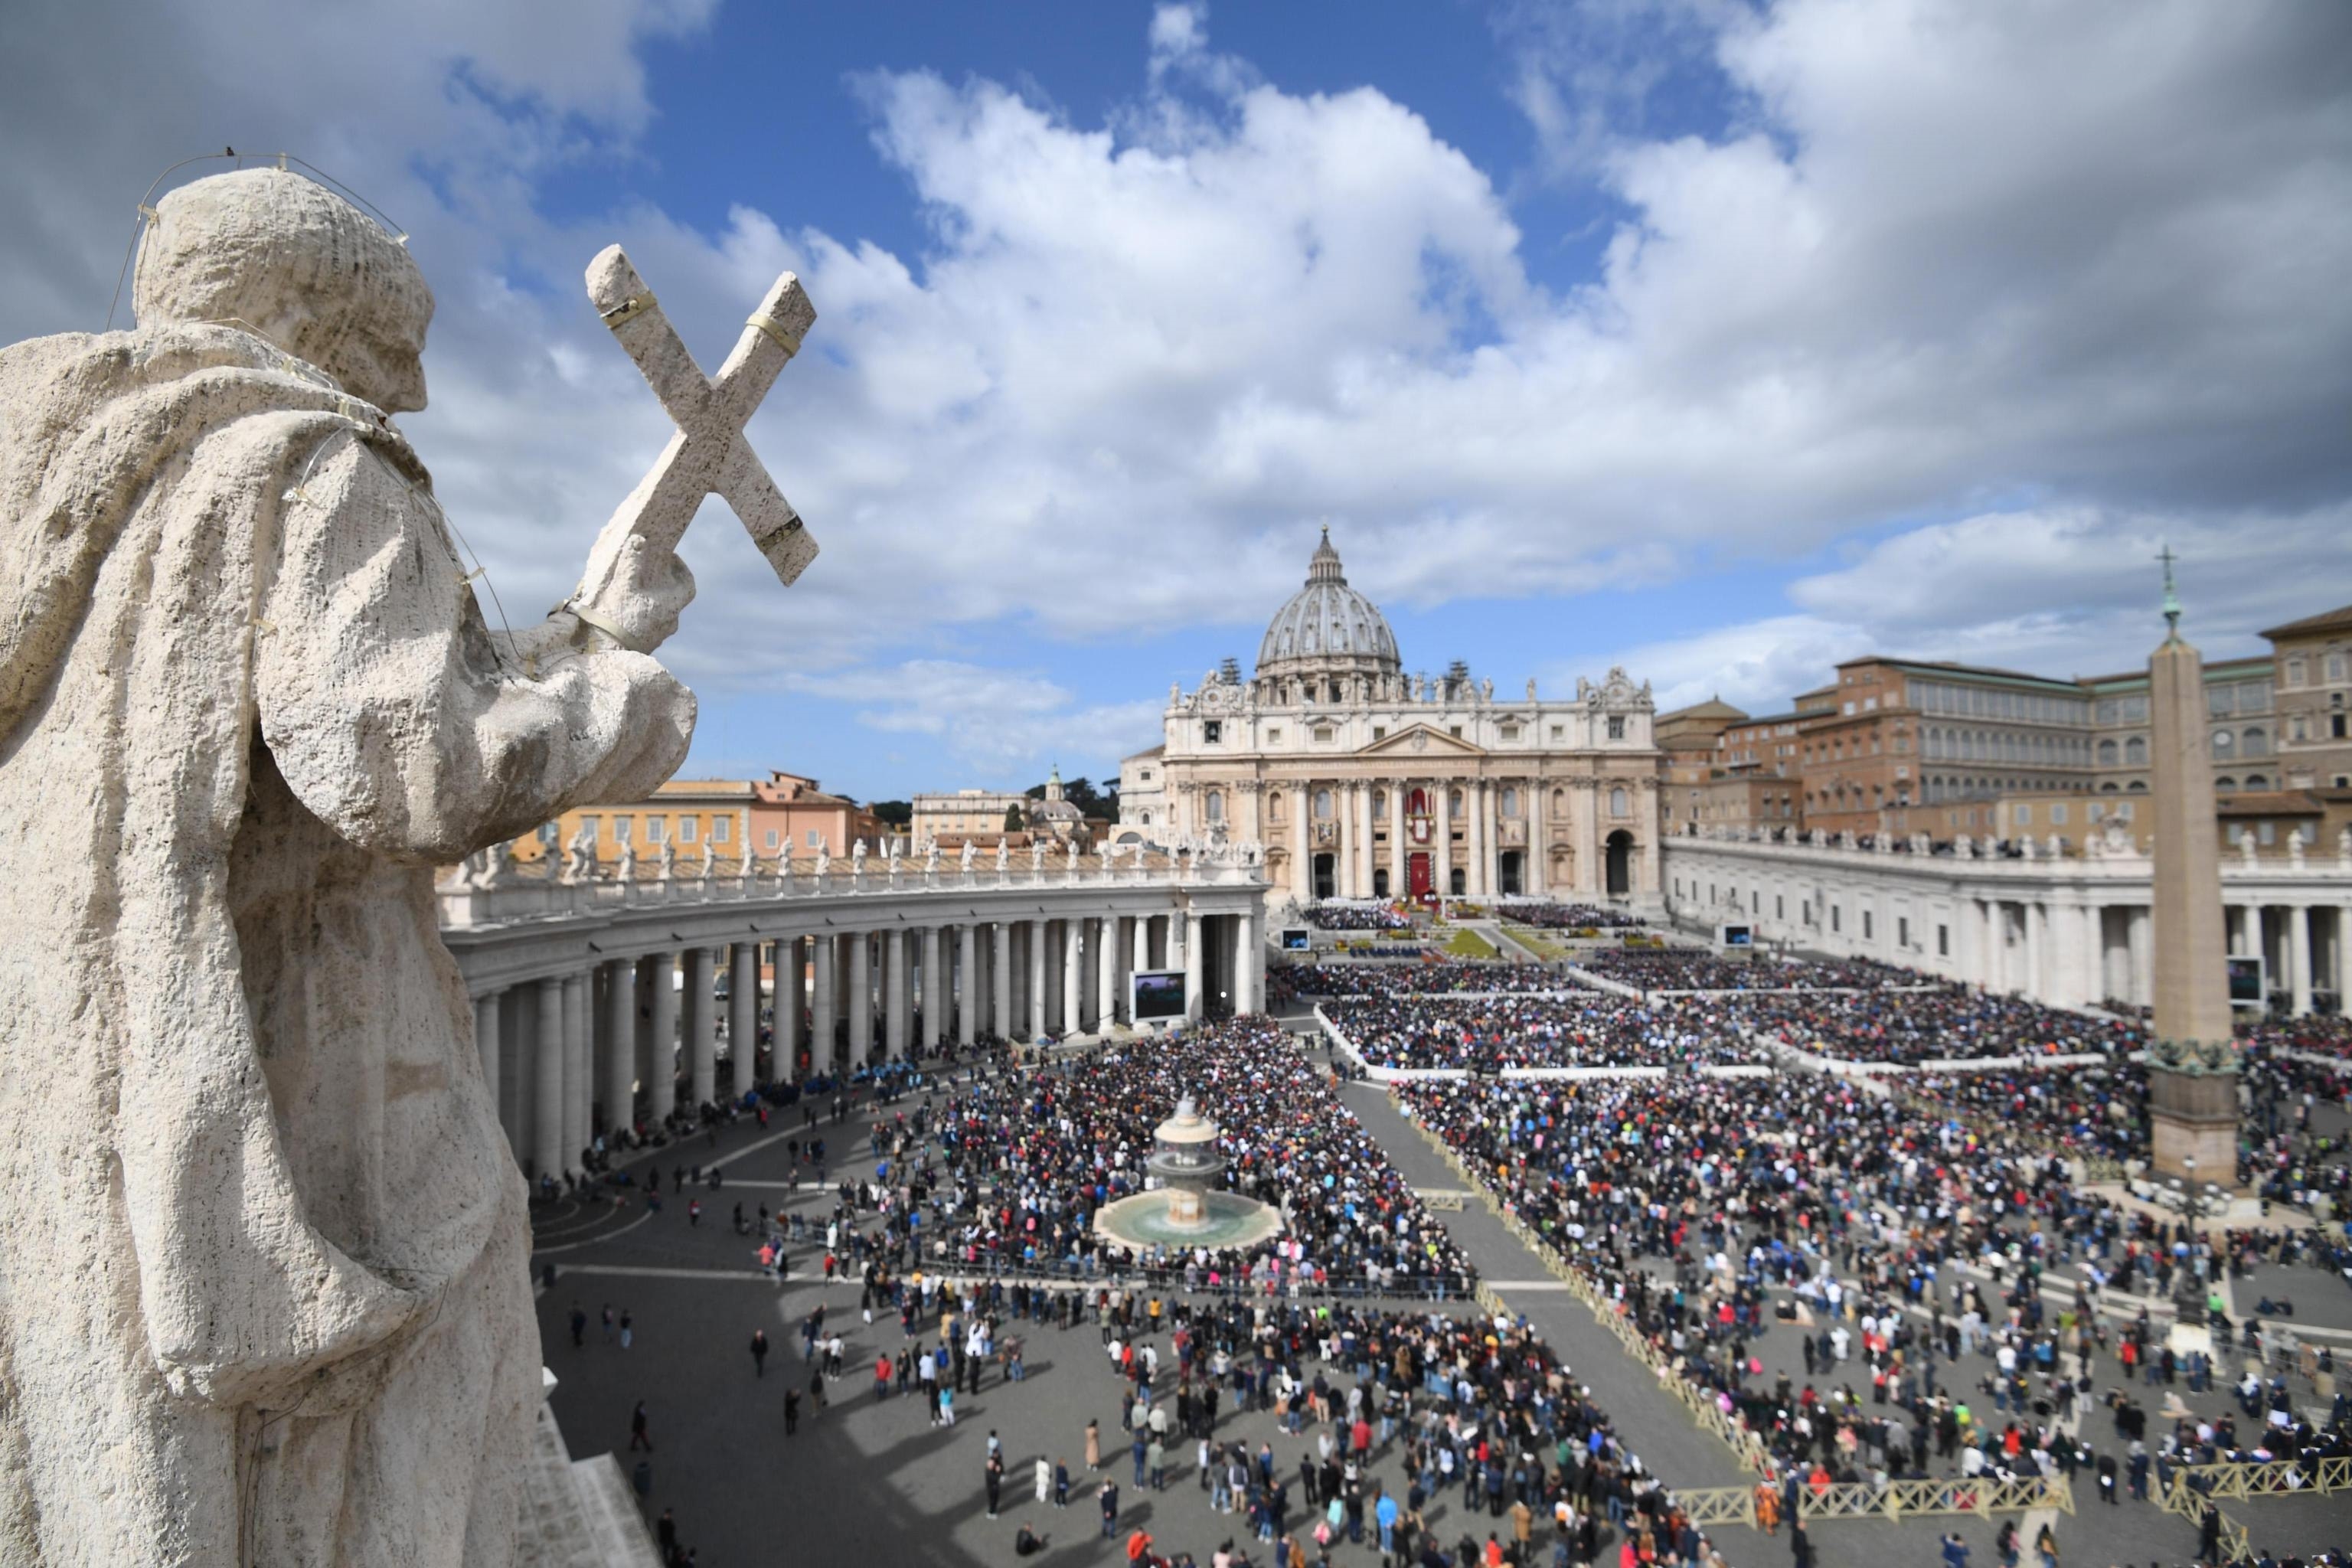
(2193, 1065)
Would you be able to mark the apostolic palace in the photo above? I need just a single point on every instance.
(1362, 781)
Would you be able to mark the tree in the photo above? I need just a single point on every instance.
(1102, 805)
(1013, 820)
(896, 813)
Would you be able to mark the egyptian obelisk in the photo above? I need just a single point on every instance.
(2193, 1065)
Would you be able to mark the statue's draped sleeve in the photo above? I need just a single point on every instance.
(396, 718)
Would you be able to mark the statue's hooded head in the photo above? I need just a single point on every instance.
(290, 260)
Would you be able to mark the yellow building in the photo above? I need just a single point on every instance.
(686, 814)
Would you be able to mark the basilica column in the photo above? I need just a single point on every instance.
(1074, 974)
(1441, 861)
(823, 1025)
(1473, 881)
(620, 1044)
(579, 1060)
(1191, 964)
(1536, 878)
(1001, 982)
(485, 1045)
(547, 1082)
(1142, 945)
(701, 1029)
(861, 999)
(893, 994)
(1360, 851)
(1399, 879)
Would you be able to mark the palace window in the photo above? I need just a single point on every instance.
(2255, 742)
(1379, 805)
(1453, 804)
(772, 838)
(722, 829)
(1322, 806)
(621, 825)
(2224, 743)
(656, 827)
(1212, 731)
(1323, 733)
(1509, 805)
(1214, 804)
(1507, 733)
(815, 840)
(686, 829)
(1274, 734)
(2296, 672)
(1616, 729)
(1274, 806)
(1617, 802)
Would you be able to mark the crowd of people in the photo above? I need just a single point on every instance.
(1547, 916)
(1701, 969)
(1587, 1030)
(1358, 917)
(1947, 1023)
(1431, 976)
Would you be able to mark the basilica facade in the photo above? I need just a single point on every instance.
(1361, 781)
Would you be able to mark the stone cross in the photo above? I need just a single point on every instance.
(708, 454)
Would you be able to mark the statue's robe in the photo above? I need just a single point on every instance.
(263, 1286)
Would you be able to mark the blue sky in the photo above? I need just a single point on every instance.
(1720, 340)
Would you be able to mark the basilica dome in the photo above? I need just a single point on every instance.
(1327, 627)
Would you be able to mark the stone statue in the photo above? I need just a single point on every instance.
(1000, 853)
(580, 856)
(2056, 848)
(964, 859)
(625, 869)
(279, 1266)
(2246, 847)
(1036, 858)
(1074, 853)
(2344, 849)
(2294, 848)
(497, 865)
(1964, 847)
(1531, 689)
(931, 858)
(1486, 690)
(823, 862)
(2025, 847)
(710, 859)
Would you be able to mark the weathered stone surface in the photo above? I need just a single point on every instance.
(262, 1283)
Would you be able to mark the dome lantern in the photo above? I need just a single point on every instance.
(1327, 629)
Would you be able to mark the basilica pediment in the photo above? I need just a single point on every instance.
(1422, 740)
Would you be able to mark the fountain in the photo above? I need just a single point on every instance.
(1188, 1208)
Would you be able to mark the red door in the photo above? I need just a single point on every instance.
(1417, 870)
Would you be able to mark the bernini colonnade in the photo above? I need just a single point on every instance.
(580, 989)
(2069, 931)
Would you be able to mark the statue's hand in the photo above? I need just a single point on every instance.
(642, 600)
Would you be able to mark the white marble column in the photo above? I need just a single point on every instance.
(701, 1029)
(1000, 985)
(1107, 950)
(1358, 881)
(743, 1014)
(824, 1004)
(2298, 932)
(1249, 956)
(1074, 974)
(934, 1031)
(1535, 877)
(1143, 944)
(657, 1057)
(1441, 863)
(620, 1073)
(895, 994)
(861, 999)
(1037, 971)
(547, 1082)
(788, 995)
(1192, 965)
(1399, 847)
(486, 1047)
(579, 1065)
(966, 985)
(1474, 848)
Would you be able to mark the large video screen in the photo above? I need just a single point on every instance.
(2247, 983)
(1297, 939)
(1157, 994)
(1738, 936)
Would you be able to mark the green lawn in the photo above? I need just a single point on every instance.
(1469, 945)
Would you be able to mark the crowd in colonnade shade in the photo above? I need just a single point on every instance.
(1358, 917)
(1547, 916)
(1708, 1210)
(1588, 1029)
(1429, 977)
(1699, 969)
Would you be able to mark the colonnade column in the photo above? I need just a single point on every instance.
(547, 1083)
(1037, 970)
(966, 986)
(620, 1044)
(579, 1062)
(823, 1026)
(861, 999)
(894, 999)
(1106, 952)
(1074, 974)
(789, 993)
(1192, 962)
(701, 1030)
(1249, 956)
(743, 1014)
(1000, 971)
(2298, 932)
(486, 1046)
(1474, 839)
(935, 991)
(1142, 945)
(2037, 970)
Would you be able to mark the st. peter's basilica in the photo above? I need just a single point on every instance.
(1361, 782)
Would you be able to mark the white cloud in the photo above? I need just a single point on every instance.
(996, 721)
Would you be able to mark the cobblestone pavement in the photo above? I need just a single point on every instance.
(872, 1480)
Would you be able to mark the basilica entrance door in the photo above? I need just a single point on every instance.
(1418, 873)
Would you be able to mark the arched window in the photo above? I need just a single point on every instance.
(2136, 751)
(2109, 753)
(1510, 804)
(2225, 782)
(1274, 806)
(1560, 803)
(1620, 803)
(1453, 803)
(1214, 804)
(2137, 786)
(2257, 780)
(2108, 787)
(1379, 805)
(2224, 743)
(1322, 806)
(2255, 741)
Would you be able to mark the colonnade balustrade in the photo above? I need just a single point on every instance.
(600, 1003)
